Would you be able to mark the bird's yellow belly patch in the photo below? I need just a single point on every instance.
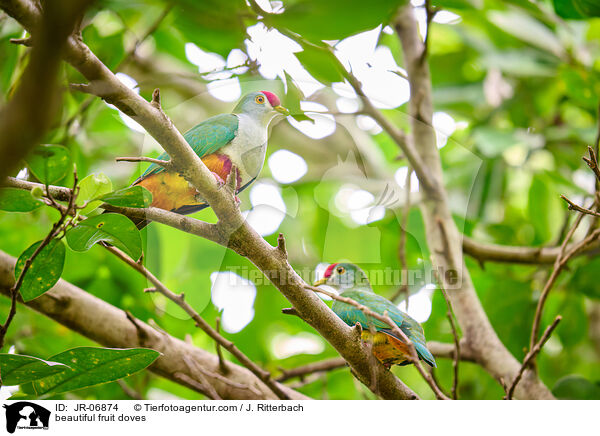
(170, 191)
(387, 349)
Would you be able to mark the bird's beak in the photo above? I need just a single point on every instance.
(320, 282)
(282, 110)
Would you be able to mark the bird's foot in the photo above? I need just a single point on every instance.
(234, 180)
(220, 181)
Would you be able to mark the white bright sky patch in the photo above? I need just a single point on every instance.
(388, 30)
(234, 296)
(273, 7)
(22, 175)
(358, 203)
(323, 126)
(273, 51)
(225, 90)
(343, 89)
(287, 167)
(347, 105)
(128, 81)
(400, 177)
(284, 345)
(419, 304)
(131, 83)
(421, 17)
(367, 123)
(446, 17)
(268, 208)
(205, 61)
(584, 179)
(236, 58)
(444, 126)
(374, 67)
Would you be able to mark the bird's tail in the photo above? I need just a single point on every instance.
(425, 354)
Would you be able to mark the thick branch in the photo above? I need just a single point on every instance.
(442, 234)
(111, 327)
(514, 254)
(28, 115)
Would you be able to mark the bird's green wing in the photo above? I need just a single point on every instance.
(204, 138)
(378, 304)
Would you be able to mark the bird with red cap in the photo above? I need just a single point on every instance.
(223, 142)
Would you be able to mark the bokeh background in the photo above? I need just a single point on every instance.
(516, 97)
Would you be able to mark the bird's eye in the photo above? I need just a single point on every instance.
(260, 99)
(341, 270)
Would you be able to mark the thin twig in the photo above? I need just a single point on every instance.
(222, 363)
(263, 375)
(561, 261)
(456, 359)
(531, 356)
(574, 206)
(403, 289)
(311, 368)
(57, 227)
(166, 164)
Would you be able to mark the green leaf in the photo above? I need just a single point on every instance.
(49, 163)
(585, 279)
(544, 205)
(90, 366)
(17, 369)
(90, 188)
(574, 326)
(320, 64)
(116, 229)
(44, 271)
(317, 20)
(575, 387)
(292, 99)
(133, 196)
(492, 142)
(577, 9)
(17, 200)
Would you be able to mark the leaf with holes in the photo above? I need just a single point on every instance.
(116, 229)
(90, 366)
(18, 200)
(49, 163)
(44, 271)
(17, 369)
(134, 196)
(90, 188)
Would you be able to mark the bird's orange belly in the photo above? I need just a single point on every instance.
(387, 349)
(170, 191)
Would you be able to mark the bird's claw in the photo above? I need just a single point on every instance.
(220, 181)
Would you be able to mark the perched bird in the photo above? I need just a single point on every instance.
(238, 139)
(351, 281)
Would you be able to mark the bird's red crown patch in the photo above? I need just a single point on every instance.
(273, 99)
(329, 270)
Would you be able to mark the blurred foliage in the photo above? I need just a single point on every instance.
(521, 79)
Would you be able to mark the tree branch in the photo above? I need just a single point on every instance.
(515, 254)
(241, 237)
(531, 356)
(311, 368)
(110, 326)
(28, 115)
(179, 299)
(442, 234)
